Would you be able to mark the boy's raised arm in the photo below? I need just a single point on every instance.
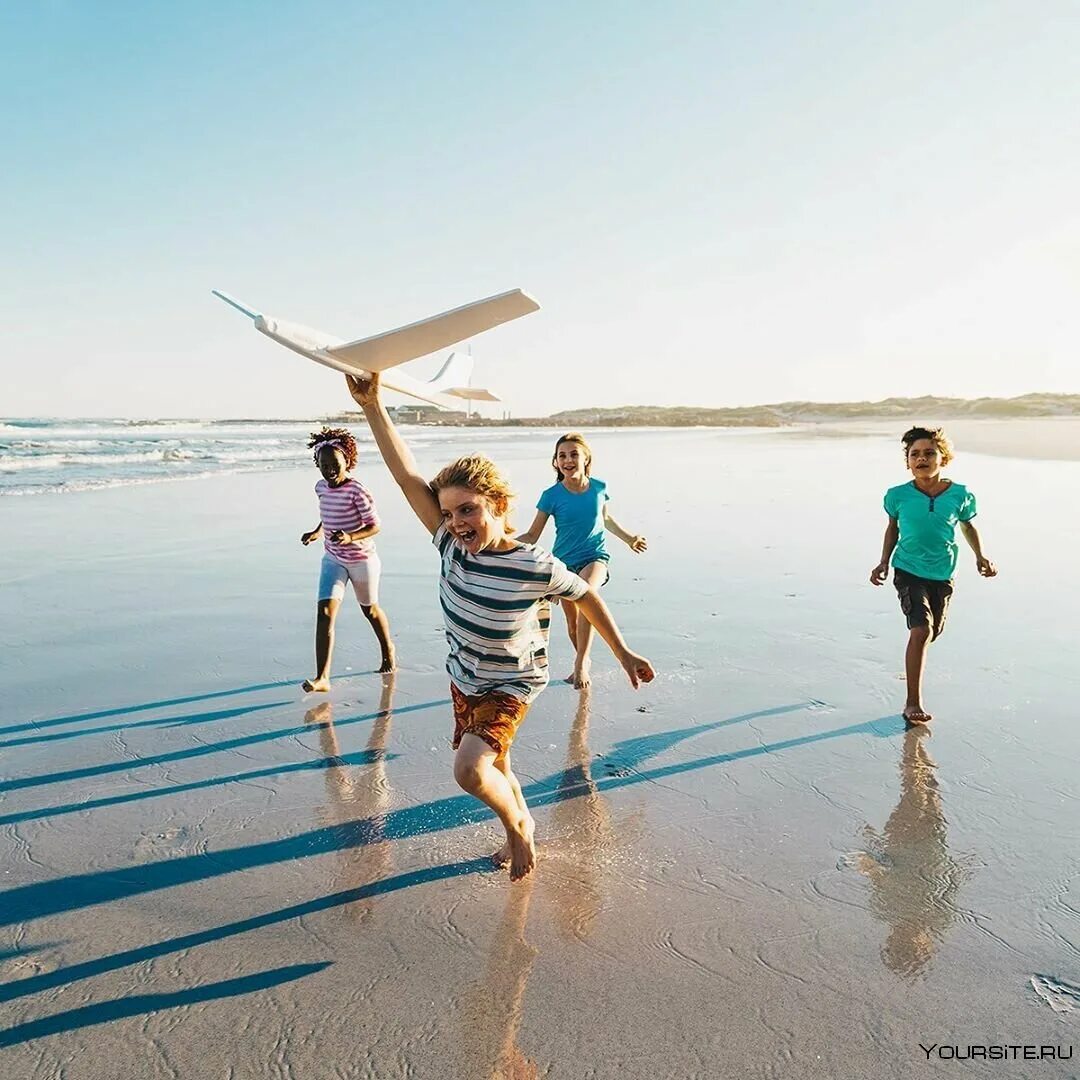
(397, 455)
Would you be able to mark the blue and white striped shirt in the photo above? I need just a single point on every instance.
(495, 607)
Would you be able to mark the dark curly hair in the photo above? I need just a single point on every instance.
(936, 435)
(341, 438)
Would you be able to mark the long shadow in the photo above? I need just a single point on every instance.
(630, 753)
(164, 721)
(124, 710)
(362, 757)
(193, 751)
(79, 891)
(88, 969)
(107, 1011)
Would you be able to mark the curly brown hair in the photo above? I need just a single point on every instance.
(338, 437)
(571, 437)
(479, 474)
(936, 435)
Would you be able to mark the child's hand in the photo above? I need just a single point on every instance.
(307, 537)
(340, 536)
(880, 574)
(986, 567)
(637, 668)
(364, 391)
(638, 544)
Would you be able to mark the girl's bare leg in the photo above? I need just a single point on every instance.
(914, 662)
(594, 574)
(377, 617)
(476, 772)
(325, 616)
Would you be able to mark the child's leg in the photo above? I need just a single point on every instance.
(595, 574)
(502, 856)
(476, 772)
(325, 616)
(914, 596)
(570, 611)
(914, 663)
(377, 617)
(365, 578)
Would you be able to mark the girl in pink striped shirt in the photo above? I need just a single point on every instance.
(347, 522)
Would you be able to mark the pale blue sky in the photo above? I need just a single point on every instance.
(716, 203)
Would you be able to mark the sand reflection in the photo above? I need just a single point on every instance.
(913, 878)
(359, 793)
(584, 834)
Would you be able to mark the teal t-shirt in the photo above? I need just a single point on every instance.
(927, 546)
(579, 521)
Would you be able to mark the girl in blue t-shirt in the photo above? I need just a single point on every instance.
(920, 541)
(579, 504)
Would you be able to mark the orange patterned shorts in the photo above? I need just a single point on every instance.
(494, 718)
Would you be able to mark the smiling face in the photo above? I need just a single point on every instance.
(571, 460)
(332, 464)
(924, 459)
(473, 519)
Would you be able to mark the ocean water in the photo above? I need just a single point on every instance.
(49, 456)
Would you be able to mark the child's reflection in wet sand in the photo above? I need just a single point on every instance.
(359, 793)
(584, 834)
(913, 878)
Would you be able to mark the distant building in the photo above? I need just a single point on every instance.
(424, 414)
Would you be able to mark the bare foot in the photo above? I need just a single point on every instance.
(582, 677)
(387, 665)
(501, 858)
(914, 714)
(522, 851)
(316, 686)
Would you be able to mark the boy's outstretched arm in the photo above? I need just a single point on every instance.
(971, 535)
(633, 541)
(880, 574)
(532, 533)
(595, 610)
(398, 457)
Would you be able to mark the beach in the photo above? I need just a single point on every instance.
(748, 868)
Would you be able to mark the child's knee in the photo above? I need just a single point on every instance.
(372, 612)
(326, 610)
(920, 634)
(467, 773)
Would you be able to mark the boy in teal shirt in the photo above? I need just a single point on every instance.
(920, 539)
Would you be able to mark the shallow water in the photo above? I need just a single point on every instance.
(747, 869)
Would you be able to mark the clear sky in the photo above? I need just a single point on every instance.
(715, 203)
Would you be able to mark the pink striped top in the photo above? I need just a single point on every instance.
(348, 506)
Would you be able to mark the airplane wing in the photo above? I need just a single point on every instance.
(399, 346)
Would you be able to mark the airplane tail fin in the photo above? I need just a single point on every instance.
(453, 380)
(233, 302)
(456, 371)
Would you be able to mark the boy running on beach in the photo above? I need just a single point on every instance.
(920, 538)
(494, 593)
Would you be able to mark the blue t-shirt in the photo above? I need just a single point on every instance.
(579, 521)
(927, 546)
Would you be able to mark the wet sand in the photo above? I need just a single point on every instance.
(748, 869)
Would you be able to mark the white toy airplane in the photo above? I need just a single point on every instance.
(387, 350)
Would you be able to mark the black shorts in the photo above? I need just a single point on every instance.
(924, 601)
